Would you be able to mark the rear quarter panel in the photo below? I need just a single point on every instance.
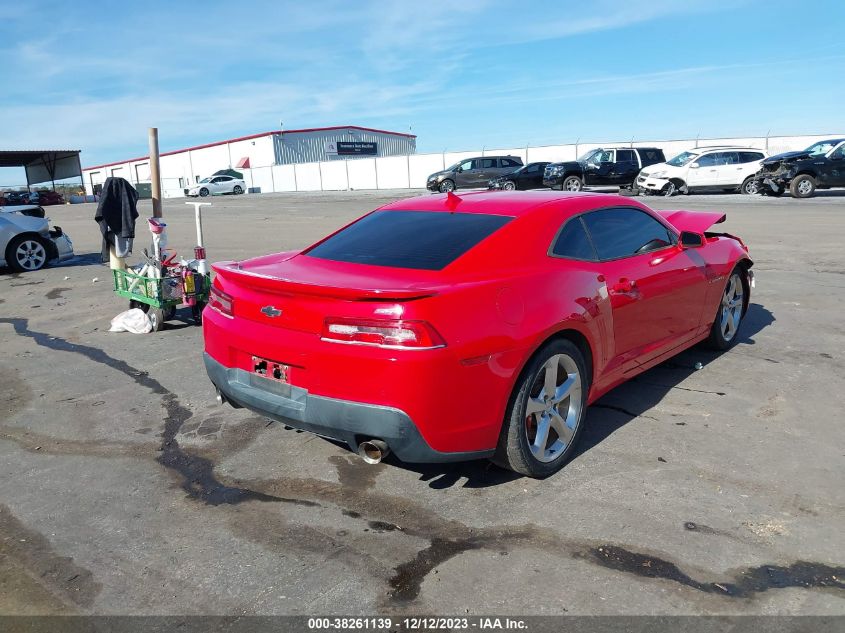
(721, 255)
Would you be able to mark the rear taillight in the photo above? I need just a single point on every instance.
(220, 301)
(383, 333)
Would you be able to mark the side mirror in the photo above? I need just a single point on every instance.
(592, 166)
(459, 169)
(694, 166)
(689, 239)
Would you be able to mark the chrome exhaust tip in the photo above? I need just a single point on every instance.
(373, 451)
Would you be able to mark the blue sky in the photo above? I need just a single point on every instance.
(461, 74)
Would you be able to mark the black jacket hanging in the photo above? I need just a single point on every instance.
(116, 212)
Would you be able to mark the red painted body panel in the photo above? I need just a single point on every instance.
(494, 307)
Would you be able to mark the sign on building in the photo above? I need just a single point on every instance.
(351, 148)
(356, 148)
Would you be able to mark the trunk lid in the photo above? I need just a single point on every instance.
(695, 221)
(295, 291)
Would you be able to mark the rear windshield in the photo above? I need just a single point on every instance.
(425, 240)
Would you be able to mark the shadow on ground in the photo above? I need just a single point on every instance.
(632, 399)
(82, 259)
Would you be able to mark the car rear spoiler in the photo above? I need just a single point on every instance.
(695, 221)
(231, 271)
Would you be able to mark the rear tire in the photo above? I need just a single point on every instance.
(237, 190)
(803, 186)
(749, 187)
(539, 433)
(731, 311)
(572, 183)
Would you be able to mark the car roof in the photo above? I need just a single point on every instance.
(713, 148)
(11, 208)
(511, 203)
(489, 156)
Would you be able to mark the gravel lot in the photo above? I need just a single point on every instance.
(127, 490)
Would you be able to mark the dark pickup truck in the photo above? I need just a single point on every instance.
(603, 167)
(820, 166)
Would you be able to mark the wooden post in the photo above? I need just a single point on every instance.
(155, 174)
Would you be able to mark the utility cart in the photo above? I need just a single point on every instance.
(159, 298)
(162, 284)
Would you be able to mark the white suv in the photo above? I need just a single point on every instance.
(703, 168)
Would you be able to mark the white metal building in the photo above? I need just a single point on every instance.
(183, 167)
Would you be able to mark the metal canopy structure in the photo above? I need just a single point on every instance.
(44, 165)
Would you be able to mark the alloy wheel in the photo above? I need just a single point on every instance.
(751, 187)
(805, 187)
(509, 186)
(553, 408)
(731, 307)
(31, 255)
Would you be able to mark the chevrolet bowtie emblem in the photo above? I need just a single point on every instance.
(271, 311)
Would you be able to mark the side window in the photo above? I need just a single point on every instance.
(727, 158)
(625, 155)
(623, 232)
(605, 156)
(838, 153)
(509, 162)
(648, 156)
(750, 157)
(488, 163)
(708, 160)
(467, 164)
(573, 242)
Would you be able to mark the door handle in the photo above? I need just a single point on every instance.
(623, 286)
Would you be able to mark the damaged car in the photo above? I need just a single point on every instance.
(28, 243)
(535, 303)
(820, 166)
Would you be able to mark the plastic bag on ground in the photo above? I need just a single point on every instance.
(134, 320)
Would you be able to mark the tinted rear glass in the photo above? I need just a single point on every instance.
(573, 242)
(425, 240)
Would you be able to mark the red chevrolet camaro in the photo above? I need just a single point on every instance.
(457, 327)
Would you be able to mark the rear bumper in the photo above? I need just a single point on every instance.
(342, 420)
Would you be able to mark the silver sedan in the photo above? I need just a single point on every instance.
(27, 242)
